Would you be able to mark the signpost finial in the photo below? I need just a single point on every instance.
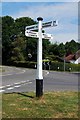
(39, 18)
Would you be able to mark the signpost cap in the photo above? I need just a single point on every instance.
(39, 18)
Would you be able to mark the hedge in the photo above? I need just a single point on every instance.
(24, 64)
(56, 66)
(68, 66)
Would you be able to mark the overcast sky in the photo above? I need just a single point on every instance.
(65, 12)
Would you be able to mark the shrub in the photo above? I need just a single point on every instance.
(68, 66)
(57, 66)
(24, 64)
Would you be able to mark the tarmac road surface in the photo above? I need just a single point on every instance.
(23, 80)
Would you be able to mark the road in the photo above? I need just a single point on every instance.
(23, 80)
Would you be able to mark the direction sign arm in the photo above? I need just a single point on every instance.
(50, 24)
(44, 25)
(32, 27)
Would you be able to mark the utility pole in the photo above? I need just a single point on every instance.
(64, 63)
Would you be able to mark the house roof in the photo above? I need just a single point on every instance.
(70, 57)
(77, 54)
(73, 56)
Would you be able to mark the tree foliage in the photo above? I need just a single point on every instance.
(71, 47)
(17, 47)
(14, 41)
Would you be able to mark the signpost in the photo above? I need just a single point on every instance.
(44, 25)
(29, 32)
(39, 77)
(32, 34)
(46, 36)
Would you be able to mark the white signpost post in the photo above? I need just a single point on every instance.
(29, 32)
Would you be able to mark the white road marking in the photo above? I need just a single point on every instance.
(28, 83)
(2, 87)
(28, 80)
(17, 83)
(17, 68)
(21, 82)
(2, 91)
(14, 73)
(7, 85)
(17, 86)
(10, 88)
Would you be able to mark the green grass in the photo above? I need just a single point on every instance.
(51, 105)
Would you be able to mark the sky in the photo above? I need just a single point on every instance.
(65, 12)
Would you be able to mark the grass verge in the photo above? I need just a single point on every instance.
(51, 105)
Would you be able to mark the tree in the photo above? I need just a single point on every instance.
(46, 44)
(0, 40)
(61, 49)
(12, 28)
(7, 23)
(31, 48)
(53, 50)
(21, 23)
(18, 47)
(71, 47)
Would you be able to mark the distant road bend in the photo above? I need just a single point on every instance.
(23, 80)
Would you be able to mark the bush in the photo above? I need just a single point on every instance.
(68, 66)
(57, 66)
(24, 64)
